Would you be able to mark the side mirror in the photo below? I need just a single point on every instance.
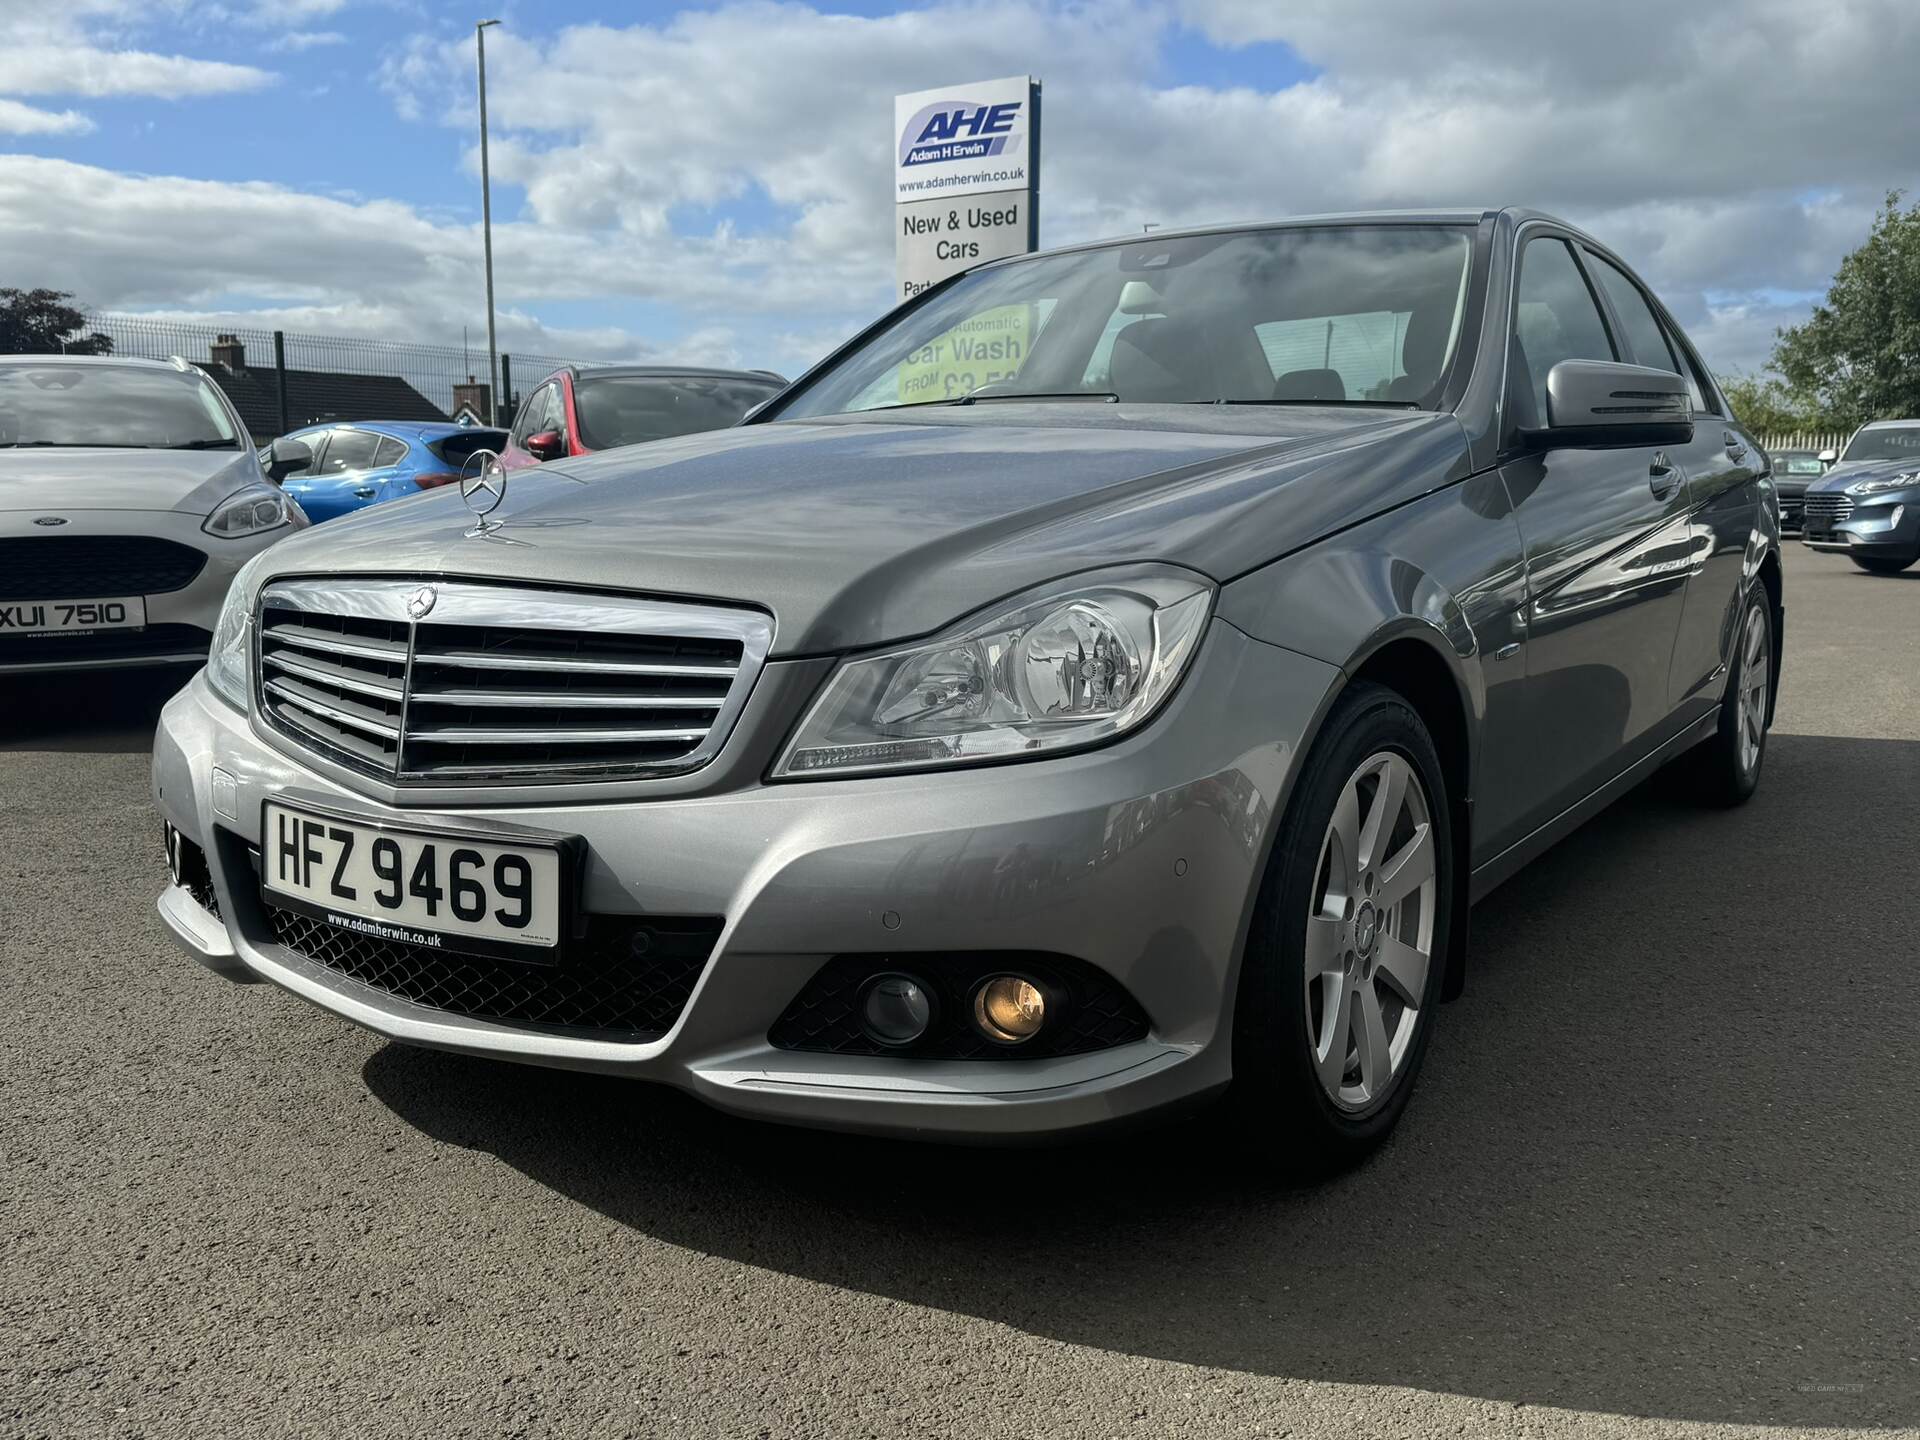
(547, 445)
(287, 457)
(1829, 457)
(1599, 403)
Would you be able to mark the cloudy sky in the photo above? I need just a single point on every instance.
(712, 181)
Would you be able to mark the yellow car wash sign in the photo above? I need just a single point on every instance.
(990, 347)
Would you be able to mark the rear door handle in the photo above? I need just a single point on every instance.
(1736, 447)
(364, 492)
(1662, 478)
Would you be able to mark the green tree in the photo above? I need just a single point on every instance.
(1767, 405)
(41, 322)
(1857, 357)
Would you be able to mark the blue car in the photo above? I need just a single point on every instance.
(360, 463)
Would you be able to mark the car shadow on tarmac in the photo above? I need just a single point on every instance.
(1663, 1161)
(108, 712)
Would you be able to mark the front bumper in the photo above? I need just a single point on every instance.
(1141, 859)
(179, 622)
(1885, 525)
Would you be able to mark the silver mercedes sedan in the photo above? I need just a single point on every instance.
(130, 494)
(1102, 685)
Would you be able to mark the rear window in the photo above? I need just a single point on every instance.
(118, 407)
(455, 449)
(1802, 465)
(628, 409)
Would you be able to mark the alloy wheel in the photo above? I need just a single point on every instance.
(1369, 941)
(1754, 666)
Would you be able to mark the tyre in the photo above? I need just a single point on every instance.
(1882, 564)
(1349, 940)
(1726, 766)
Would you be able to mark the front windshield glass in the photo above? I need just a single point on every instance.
(1892, 443)
(116, 406)
(1329, 314)
(627, 409)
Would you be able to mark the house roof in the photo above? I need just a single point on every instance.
(317, 395)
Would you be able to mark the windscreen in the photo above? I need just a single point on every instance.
(115, 406)
(1900, 442)
(627, 409)
(1326, 314)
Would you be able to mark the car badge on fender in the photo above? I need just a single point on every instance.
(483, 488)
(420, 603)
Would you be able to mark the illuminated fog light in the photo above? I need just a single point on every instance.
(895, 1009)
(1009, 1009)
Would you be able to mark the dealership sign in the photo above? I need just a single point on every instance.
(966, 178)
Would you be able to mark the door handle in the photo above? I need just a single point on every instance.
(1662, 478)
(1736, 447)
(363, 492)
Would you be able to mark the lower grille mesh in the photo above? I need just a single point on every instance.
(627, 979)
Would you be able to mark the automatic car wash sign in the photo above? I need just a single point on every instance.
(966, 178)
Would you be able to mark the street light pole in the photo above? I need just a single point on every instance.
(495, 399)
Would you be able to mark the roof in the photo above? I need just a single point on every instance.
(419, 429)
(314, 396)
(1888, 424)
(125, 360)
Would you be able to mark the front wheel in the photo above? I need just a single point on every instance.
(1344, 960)
(1882, 564)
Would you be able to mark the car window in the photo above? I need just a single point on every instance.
(556, 416)
(1646, 341)
(1890, 442)
(533, 415)
(120, 407)
(1308, 314)
(1555, 318)
(629, 409)
(391, 452)
(349, 450)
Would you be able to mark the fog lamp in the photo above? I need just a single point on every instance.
(174, 870)
(895, 1010)
(1009, 1009)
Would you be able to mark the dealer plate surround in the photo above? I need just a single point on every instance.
(500, 892)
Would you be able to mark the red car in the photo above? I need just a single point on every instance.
(576, 411)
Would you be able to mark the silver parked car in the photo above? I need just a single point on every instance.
(130, 495)
(1102, 684)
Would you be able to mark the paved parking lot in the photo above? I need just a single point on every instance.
(1660, 1178)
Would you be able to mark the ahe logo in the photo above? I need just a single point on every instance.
(957, 130)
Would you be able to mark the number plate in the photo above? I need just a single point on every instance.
(63, 617)
(445, 890)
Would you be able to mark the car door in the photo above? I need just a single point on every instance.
(349, 468)
(1720, 464)
(388, 476)
(1607, 546)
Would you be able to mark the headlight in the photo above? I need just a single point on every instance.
(229, 657)
(254, 509)
(1076, 664)
(1906, 481)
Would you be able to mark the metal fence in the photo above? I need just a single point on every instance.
(1806, 440)
(297, 380)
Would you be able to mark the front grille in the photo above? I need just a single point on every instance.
(627, 979)
(102, 645)
(1827, 509)
(94, 567)
(1090, 1009)
(501, 684)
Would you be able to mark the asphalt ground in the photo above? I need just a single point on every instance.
(1660, 1177)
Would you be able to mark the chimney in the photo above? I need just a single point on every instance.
(473, 396)
(227, 351)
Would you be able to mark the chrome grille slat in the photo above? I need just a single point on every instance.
(469, 660)
(498, 682)
(334, 675)
(560, 699)
(530, 735)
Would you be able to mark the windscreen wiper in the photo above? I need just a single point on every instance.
(1368, 404)
(205, 445)
(974, 397)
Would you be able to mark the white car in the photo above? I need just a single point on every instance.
(130, 493)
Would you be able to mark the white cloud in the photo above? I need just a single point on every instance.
(18, 119)
(1733, 150)
(296, 41)
(71, 47)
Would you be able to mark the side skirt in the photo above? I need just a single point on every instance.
(1502, 867)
